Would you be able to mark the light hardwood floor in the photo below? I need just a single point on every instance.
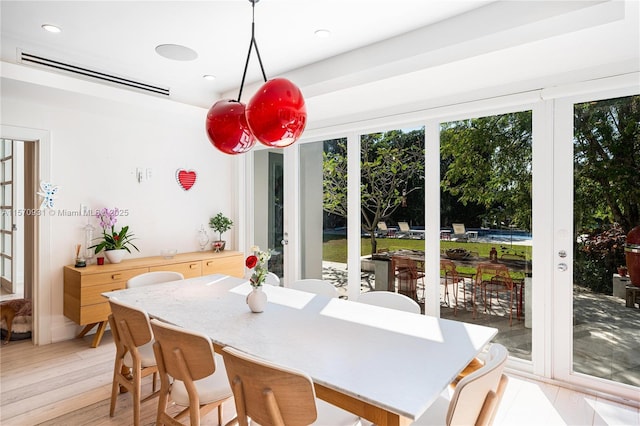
(69, 383)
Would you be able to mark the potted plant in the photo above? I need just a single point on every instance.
(220, 223)
(622, 270)
(115, 244)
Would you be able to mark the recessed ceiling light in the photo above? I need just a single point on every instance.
(176, 52)
(209, 77)
(51, 28)
(322, 33)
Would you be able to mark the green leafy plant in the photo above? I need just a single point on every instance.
(112, 240)
(220, 223)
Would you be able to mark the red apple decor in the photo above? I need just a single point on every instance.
(227, 127)
(276, 114)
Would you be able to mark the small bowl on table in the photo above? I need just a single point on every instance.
(168, 253)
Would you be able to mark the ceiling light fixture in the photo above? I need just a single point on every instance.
(276, 114)
(176, 52)
(322, 33)
(51, 28)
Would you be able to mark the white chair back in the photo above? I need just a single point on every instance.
(388, 299)
(272, 279)
(311, 285)
(156, 277)
(477, 395)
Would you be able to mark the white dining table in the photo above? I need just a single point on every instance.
(384, 365)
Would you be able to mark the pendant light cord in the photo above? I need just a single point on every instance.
(252, 43)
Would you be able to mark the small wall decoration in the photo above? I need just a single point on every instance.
(49, 191)
(186, 178)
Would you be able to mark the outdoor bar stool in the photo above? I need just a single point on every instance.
(451, 277)
(493, 277)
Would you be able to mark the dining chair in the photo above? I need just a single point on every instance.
(388, 299)
(272, 279)
(191, 374)
(271, 394)
(407, 275)
(155, 277)
(493, 278)
(451, 276)
(312, 285)
(134, 360)
(474, 401)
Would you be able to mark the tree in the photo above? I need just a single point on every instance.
(607, 163)
(391, 167)
(489, 164)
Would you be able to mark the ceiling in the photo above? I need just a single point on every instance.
(407, 49)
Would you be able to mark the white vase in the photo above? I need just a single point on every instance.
(257, 300)
(115, 256)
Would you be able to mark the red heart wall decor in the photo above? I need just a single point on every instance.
(186, 178)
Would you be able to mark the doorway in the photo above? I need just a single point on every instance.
(18, 210)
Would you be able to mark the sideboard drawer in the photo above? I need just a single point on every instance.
(111, 277)
(94, 313)
(188, 269)
(231, 265)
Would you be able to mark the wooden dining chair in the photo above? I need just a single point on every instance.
(316, 286)
(134, 360)
(191, 374)
(155, 277)
(388, 299)
(493, 278)
(273, 395)
(475, 399)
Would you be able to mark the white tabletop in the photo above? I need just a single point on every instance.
(394, 360)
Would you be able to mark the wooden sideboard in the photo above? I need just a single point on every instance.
(83, 287)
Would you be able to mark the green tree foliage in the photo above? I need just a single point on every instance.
(607, 163)
(606, 186)
(487, 163)
(392, 167)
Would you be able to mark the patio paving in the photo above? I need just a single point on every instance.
(606, 334)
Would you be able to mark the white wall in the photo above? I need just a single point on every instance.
(96, 146)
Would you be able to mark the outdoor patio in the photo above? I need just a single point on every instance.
(606, 337)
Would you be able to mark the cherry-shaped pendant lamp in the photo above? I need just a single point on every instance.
(276, 115)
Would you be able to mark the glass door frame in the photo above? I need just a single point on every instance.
(562, 290)
(540, 337)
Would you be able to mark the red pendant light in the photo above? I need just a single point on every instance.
(276, 115)
(227, 127)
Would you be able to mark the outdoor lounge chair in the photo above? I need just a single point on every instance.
(383, 230)
(460, 233)
(405, 230)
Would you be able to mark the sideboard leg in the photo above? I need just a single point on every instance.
(99, 333)
(86, 329)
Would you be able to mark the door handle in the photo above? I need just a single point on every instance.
(562, 267)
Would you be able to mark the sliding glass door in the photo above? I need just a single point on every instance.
(269, 206)
(597, 203)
